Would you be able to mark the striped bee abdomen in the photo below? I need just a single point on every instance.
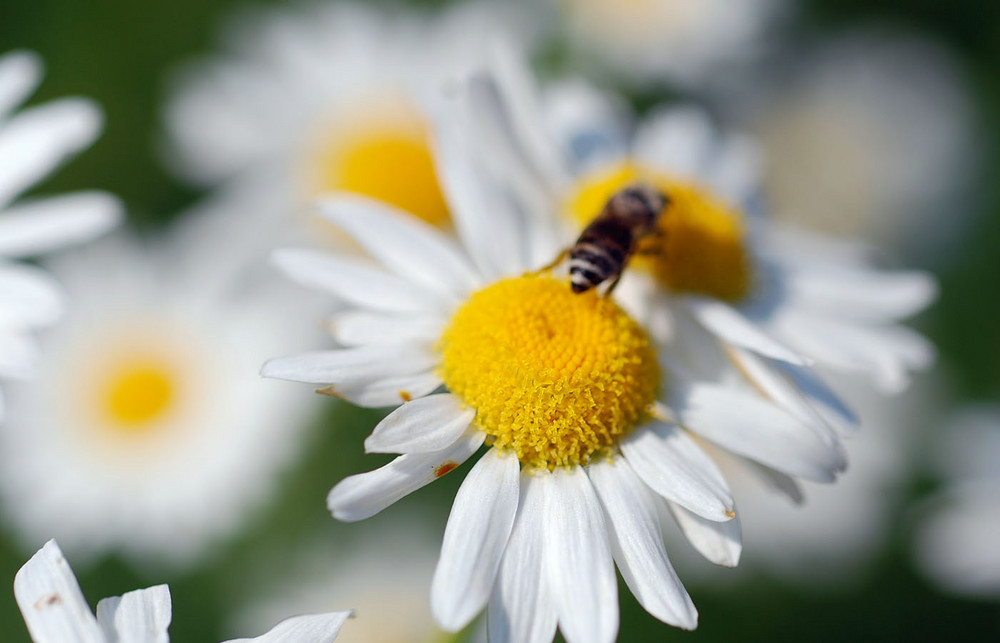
(600, 253)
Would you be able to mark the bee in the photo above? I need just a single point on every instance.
(605, 246)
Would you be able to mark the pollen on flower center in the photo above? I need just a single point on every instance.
(558, 377)
(137, 394)
(699, 247)
(385, 154)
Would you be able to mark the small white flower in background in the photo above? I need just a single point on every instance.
(765, 298)
(149, 433)
(33, 143)
(317, 97)
(56, 611)
(587, 448)
(383, 572)
(956, 543)
(870, 136)
(685, 42)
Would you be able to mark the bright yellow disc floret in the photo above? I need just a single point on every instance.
(558, 377)
(699, 246)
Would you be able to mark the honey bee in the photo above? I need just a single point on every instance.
(605, 246)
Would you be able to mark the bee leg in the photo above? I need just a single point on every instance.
(555, 262)
(613, 283)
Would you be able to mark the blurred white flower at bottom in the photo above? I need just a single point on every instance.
(385, 577)
(956, 544)
(55, 610)
(149, 432)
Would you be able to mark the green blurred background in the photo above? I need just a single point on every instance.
(120, 52)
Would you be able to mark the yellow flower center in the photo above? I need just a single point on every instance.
(557, 377)
(698, 247)
(382, 152)
(137, 394)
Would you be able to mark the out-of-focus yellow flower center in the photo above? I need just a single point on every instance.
(558, 377)
(699, 245)
(384, 153)
(137, 394)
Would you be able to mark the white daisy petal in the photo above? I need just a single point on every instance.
(750, 426)
(673, 466)
(354, 282)
(474, 540)
(679, 141)
(20, 73)
(719, 542)
(385, 391)
(883, 351)
(40, 225)
(733, 327)
(578, 561)
(776, 480)
(410, 248)
(862, 294)
(487, 228)
(308, 628)
(823, 399)
(30, 297)
(769, 377)
(520, 608)
(36, 140)
(364, 495)
(354, 328)
(358, 364)
(50, 599)
(637, 542)
(429, 424)
(139, 616)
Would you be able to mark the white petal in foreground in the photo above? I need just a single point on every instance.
(37, 140)
(50, 599)
(672, 465)
(732, 327)
(755, 428)
(354, 282)
(355, 328)
(309, 628)
(387, 391)
(402, 243)
(520, 609)
(364, 495)
(362, 363)
(428, 424)
(578, 561)
(40, 225)
(474, 540)
(637, 543)
(719, 542)
(142, 616)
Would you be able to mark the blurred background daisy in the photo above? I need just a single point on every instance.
(149, 448)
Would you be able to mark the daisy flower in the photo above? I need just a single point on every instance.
(148, 433)
(956, 540)
(33, 143)
(763, 297)
(589, 438)
(686, 42)
(324, 96)
(55, 610)
(870, 135)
